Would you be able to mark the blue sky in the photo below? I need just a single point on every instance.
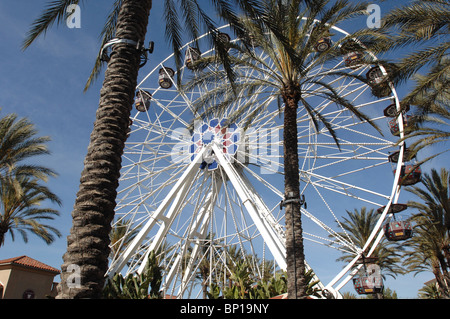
(45, 84)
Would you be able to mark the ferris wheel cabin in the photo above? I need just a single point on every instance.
(323, 44)
(192, 56)
(396, 229)
(378, 82)
(410, 171)
(142, 101)
(166, 77)
(368, 279)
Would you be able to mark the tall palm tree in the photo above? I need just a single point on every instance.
(424, 252)
(422, 25)
(21, 198)
(87, 244)
(20, 190)
(430, 128)
(286, 39)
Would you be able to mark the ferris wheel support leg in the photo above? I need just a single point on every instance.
(202, 219)
(276, 247)
(168, 219)
(201, 235)
(195, 251)
(156, 216)
(272, 224)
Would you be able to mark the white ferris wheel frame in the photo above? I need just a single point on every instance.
(260, 214)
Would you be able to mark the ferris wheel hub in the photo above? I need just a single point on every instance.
(220, 132)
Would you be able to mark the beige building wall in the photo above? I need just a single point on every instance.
(17, 280)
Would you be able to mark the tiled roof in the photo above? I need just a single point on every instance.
(282, 296)
(28, 262)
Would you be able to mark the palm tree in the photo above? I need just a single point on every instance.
(288, 40)
(120, 237)
(422, 24)
(20, 199)
(423, 27)
(20, 189)
(432, 240)
(94, 206)
(18, 143)
(358, 226)
(425, 254)
(436, 194)
(429, 291)
(431, 129)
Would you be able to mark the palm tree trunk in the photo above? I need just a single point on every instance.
(445, 274)
(88, 242)
(442, 287)
(446, 251)
(3, 230)
(295, 258)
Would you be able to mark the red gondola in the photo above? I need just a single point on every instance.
(394, 125)
(368, 280)
(410, 175)
(397, 230)
(365, 285)
(410, 172)
(353, 59)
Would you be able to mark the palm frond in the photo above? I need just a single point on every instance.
(106, 35)
(420, 19)
(55, 11)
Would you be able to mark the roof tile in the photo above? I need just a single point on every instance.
(28, 262)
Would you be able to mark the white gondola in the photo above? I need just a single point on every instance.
(166, 77)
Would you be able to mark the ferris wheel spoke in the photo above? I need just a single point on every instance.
(340, 187)
(343, 240)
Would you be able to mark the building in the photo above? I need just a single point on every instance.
(26, 278)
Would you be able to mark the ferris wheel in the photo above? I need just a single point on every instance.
(192, 189)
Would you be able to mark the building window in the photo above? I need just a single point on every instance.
(28, 294)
